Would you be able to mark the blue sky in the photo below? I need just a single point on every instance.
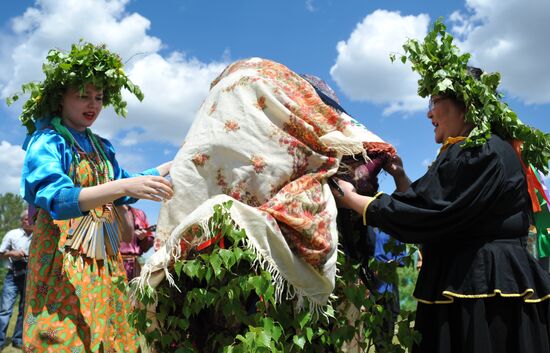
(175, 48)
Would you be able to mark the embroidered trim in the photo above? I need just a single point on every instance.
(526, 294)
(367, 206)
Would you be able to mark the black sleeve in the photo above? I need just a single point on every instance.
(461, 190)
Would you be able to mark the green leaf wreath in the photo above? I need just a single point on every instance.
(443, 70)
(86, 63)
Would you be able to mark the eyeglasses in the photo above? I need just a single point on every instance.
(433, 101)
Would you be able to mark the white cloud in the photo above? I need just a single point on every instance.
(310, 6)
(174, 85)
(133, 161)
(363, 69)
(58, 24)
(511, 37)
(174, 88)
(11, 161)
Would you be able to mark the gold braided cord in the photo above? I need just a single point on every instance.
(451, 295)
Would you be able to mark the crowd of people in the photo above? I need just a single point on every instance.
(478, 290)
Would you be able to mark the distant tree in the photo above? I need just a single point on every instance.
(11, 206)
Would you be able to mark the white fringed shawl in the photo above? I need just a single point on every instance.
(264, 139)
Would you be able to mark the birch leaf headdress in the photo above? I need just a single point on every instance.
(444, 71)
(86, 63)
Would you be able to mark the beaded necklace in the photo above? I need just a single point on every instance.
(97, 234)
(98, 159)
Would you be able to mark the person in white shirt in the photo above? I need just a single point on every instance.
(14, 250)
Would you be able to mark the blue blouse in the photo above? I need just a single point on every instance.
(45, 181)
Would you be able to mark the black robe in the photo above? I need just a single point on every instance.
(471, 213)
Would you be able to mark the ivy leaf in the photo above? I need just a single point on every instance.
(273, 328)
(216, 264)
(299, 341)
(309, 334)
(191, 268)
(304, 318)
(177, 267)
(227, 257)
(263, 338)
(330, 311)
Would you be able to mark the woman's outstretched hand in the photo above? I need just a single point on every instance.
(155, 188)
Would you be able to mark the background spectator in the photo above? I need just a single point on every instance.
(142, 240)
(14, 250)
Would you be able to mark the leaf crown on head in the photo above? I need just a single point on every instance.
(444, 71)
(85, 64)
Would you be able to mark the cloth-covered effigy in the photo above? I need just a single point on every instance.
(265, 139)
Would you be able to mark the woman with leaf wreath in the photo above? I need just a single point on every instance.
(479, 290)
(74, 302)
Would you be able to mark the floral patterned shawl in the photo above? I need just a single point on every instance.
(264, 139)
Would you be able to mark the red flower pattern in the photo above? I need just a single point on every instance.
(299, 208)
(261, 103)
(200, 159)
(231, 126)
(258, 163)
(212, 109)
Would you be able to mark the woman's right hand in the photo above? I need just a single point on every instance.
(150, 187)
(347, 199)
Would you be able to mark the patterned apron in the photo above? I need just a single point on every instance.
(75, 303)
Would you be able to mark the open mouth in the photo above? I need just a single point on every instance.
(89, 115)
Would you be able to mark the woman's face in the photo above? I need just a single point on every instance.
(448, 118)
(79, 111)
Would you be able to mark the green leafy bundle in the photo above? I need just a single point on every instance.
(227, 304)
(443, 70)
(85, 64)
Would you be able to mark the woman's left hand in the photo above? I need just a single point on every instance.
(394, 167)
(149, 187)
